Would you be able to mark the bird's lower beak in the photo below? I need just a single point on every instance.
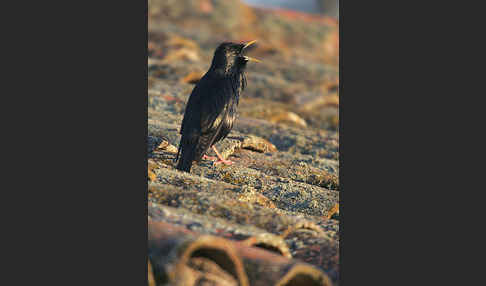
(252, 59)
(247, 57)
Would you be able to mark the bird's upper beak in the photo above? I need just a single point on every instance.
(247, 57)
(249, 44)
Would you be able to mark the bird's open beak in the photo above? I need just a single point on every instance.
(247, 57)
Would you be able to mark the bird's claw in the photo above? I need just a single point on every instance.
(225, 162)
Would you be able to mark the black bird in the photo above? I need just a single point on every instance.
(211, 108)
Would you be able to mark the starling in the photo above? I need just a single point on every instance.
(211, 108)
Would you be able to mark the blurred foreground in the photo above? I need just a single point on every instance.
(282, 192)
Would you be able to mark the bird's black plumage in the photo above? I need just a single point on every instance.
(211, 108)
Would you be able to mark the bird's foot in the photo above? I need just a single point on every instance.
(220, 158)
(206, 157)
(222, 161)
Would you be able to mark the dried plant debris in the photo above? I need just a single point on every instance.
(150, 278)
(334, 212)
(307, 225)
(167, 147)
(151, 175)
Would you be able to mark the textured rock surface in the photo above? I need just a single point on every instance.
(280, 197)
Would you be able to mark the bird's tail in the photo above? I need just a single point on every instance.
(187, 155)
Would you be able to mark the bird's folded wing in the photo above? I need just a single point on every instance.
(214, 107)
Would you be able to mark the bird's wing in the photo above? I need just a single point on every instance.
(214, 107)
(191, 114)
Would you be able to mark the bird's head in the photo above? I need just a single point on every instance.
(230, 58)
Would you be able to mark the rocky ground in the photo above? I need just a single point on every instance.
(276, 207)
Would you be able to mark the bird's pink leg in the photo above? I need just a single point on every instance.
(211, 158)
(221, 159)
